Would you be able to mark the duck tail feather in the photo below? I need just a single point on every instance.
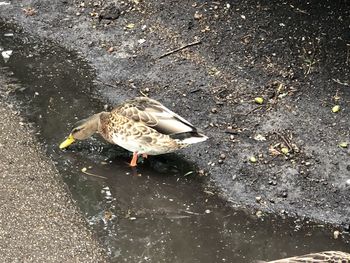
(189, 137)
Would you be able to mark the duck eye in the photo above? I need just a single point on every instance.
(75, 130)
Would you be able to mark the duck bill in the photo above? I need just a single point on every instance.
(67, 142)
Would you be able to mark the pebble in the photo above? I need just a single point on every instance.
(222, 156)
(198, 15)
(259, 214)
(258, 199)
(214, 110)
(336, 234)
(252, 159)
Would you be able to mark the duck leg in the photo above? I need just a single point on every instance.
(133, 162)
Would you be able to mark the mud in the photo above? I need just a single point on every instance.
(293, 54)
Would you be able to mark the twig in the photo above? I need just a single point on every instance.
(341, 83)
(180, 48)
(107, 84)
(143, 94)
(285, 140)
(195, 90)
(251, 111)
(95, 175)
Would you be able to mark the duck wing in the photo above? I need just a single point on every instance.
(155, 115)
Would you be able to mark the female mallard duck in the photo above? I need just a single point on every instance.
(141, 126)
(326, 256)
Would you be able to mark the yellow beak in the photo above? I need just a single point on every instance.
(67, 142)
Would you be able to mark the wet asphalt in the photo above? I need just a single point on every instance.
(39, 221)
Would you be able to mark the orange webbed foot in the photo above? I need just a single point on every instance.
(133, 162)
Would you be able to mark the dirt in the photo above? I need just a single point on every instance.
(294, 55)
(39, 220)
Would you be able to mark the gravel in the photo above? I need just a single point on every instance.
(39, 221)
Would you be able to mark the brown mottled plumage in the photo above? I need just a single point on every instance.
(141, 125)
(320, 257)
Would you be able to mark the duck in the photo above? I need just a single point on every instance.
(325, 256)
(140, 125)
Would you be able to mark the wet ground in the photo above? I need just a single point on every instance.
(166, 211)
(295, 55)
(39, 220)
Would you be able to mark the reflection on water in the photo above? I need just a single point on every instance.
(163, 211)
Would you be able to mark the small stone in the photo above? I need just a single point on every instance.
(84, 169)
(259, 138)
(207, 211)
(259, 213)
(198, 15)
(111, 49)
(141, 41)
(130, 26)
(222, 156)
(220, 161)
(336, 234)
(258, 199)
(284, 194)
(252, 159)
(348, 182)
(214, 110)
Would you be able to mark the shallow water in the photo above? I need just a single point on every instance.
(163, 212)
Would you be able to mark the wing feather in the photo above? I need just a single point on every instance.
(154, 114)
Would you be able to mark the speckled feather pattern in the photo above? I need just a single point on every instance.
(326, 256)
(141, 125)
(135, 136)
(144, 125)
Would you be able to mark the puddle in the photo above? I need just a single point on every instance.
(165, 215)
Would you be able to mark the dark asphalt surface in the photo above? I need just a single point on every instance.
(39, 221)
